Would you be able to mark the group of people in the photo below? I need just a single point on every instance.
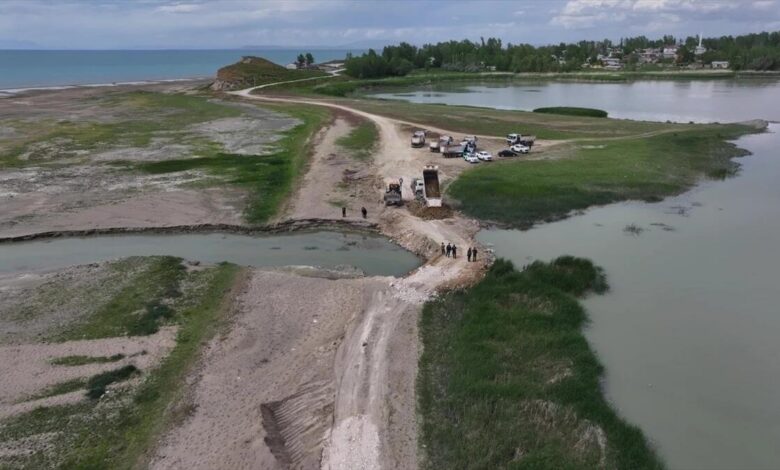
(362, 211)
(450, 250)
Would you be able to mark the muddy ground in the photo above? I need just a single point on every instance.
(69, 159)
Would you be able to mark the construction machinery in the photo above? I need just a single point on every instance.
(432, 193)
(393, 195)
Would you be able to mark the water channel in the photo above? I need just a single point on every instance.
(689, 332)
(721, 100)
(373, 254)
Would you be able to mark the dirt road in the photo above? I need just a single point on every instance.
(374, 420)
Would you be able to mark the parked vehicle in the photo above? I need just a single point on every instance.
(393, 196)
(453, 150)
(418, 139)
(418, 187)
(508, 153)
(443, 142)
(432, 191)
(519, 148)
(471, 158)
(527, 140)
(485, 156)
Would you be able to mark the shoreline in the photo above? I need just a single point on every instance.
(8, 92)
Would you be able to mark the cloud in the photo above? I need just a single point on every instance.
(648, 14)
(178, 8)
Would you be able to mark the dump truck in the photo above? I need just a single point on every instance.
(527, 140)
(431, 189)
(453, 150)
(418, 139)
(393, 192)
(443, 142)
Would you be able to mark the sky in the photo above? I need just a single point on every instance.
(219, 24)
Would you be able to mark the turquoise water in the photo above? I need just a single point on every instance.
(26, 69)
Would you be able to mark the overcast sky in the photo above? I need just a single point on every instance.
(111, 24)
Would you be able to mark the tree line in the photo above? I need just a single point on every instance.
(758, 51)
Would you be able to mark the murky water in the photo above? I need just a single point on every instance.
(722, 100)
(374, 254)
(690, 332)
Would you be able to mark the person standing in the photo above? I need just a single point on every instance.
(449, 250)
(474, 254)
(343, 211)
(468, 254)
(443, 250)
(364, 211)
(454, 251)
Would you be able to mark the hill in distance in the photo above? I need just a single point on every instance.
(253, 71)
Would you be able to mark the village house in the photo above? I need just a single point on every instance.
(720, 64)
(670, 52)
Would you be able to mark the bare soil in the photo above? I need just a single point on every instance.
(61, 187)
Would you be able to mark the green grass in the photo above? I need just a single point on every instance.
(572, 111)
(59, 389)
(486, 121)
(139, 115)
(117, 431)
(508, 381)
(519, 193)
(97, 384)
(361, 141)
(268, 178)
(135, 310)
(83, 360)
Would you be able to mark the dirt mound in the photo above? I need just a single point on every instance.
(297, 425)
(252, 71)
(430, 213)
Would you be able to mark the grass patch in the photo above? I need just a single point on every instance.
(486, 121)
(269, 178)
(83, 360)
(520, 193)
(137, 309)
(59, 389)
(361, 141)
(117, 431)
(97, 384)
(572, 111)
(507, 380)
(140, 116)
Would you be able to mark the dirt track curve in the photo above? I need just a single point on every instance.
(360, 436)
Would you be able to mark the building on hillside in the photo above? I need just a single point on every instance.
(292, 66)
(720, 64)
(670, 52)
(611, 63)
(648, 56)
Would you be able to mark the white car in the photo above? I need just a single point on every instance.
(519, 148)
(485, 156)
(470, 157)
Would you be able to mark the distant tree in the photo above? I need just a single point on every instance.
(684, 56)
(301, 60)
(309, 58)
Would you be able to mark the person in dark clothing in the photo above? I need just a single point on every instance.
(449, 250)
(443, 250)
(454, 251)
(474, 254)
(364, 211)
(343, 211)
(468, 254)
